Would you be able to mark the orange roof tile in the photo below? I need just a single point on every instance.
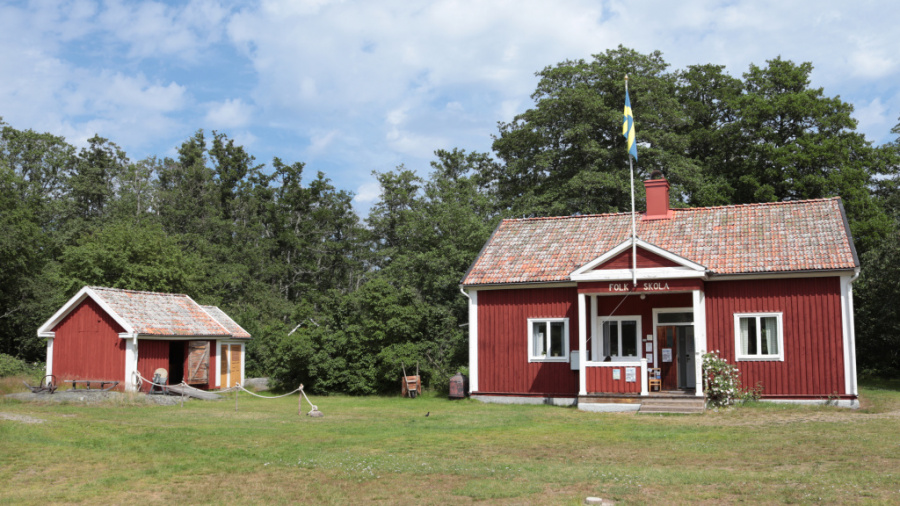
(807, 235)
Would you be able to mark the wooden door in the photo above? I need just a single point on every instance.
(668, 363)
(235, 368)
(198, 362)
(223, 367)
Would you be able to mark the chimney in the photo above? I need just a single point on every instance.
(657, 197)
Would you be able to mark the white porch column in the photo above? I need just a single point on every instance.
(699, 305)
(645, 390)
(595, 342)
(582, 343)
(131, 361)
(473, 340)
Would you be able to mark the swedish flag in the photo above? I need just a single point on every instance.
(628, 127)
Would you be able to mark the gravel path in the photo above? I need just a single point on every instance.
(86, 397)
(21, 418)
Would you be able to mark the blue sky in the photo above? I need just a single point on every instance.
(349, 87)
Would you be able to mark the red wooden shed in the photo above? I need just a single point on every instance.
(572, 310)
(108, 334)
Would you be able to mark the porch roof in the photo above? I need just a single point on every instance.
(779, 237)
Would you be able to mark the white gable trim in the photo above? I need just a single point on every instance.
(685, 269)
(46, 330)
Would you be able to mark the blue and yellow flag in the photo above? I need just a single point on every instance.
(628, 128)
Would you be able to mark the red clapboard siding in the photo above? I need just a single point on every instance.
(87, 345)
(151, 356)
(503, 365)
(600, 380)
(645, 260)
(813, 339)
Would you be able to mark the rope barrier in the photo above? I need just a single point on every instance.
(139, 380)
(266, 396)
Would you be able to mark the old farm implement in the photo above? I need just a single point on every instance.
(411, 386)
(49, 384)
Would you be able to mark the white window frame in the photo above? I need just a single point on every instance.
(638, 337)
(777, 357)
(532, 356)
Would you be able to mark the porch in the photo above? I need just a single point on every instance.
(669, 401)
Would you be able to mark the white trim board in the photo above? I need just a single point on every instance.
(685, 269)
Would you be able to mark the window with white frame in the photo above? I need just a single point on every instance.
(758, 336)
(621, 337)
(548, 339)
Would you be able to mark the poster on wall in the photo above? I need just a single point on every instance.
(617, 373)
(667, 354)
(650, 359)
(648, 347)
(630, 374)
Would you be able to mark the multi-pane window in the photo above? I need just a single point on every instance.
(759, 336)
(621, 338)
(548, 339)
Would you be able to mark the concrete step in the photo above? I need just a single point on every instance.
(673, 405)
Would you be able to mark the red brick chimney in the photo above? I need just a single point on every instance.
(657, 197)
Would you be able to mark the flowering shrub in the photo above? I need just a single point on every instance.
(722, 382)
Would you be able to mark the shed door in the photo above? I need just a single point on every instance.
(235, 368)
(198, 362)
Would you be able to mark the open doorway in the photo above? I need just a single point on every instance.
(176, 362)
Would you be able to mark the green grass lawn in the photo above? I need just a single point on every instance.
(384, 450)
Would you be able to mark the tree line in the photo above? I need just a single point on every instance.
(339, 301)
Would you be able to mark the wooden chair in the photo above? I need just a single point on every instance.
(655, 379)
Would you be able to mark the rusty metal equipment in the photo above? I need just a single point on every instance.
(105, 386)
(160, 383)
(49, 384)
(459, 386)
(410, 386)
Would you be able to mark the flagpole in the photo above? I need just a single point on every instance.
(633, 230)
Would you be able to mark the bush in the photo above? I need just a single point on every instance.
(12, 366)
(722, 383)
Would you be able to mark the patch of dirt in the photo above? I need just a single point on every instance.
(758, 418)
(21, 418)
(92, 398)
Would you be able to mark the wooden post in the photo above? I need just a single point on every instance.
(300, 401)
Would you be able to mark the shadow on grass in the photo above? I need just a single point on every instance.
(877, 383)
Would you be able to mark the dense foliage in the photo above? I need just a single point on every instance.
(339, 302)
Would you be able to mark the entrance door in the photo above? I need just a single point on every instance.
(686, 361)
(666, 343)
(676, 356)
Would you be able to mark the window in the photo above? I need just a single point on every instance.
(548, 340)
(759, 336)
(621, 337)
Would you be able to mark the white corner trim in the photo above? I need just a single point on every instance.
(49, 356)
(849, 335)
(472, 295)
(46, 330)
(684, 263)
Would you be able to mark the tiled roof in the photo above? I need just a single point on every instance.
(805, 235)
(168, 314)
(226, 321)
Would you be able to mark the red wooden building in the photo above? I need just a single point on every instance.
(107, 334)
(570, 310)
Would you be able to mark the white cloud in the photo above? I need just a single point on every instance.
(367, 194)
(231, 113)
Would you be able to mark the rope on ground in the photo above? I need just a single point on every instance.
(139, 382)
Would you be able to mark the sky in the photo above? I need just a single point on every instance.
(349, 87)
